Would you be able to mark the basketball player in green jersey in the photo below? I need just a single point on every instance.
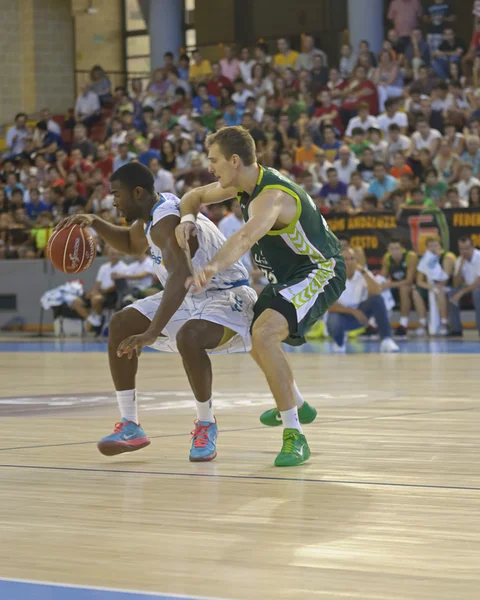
(399, 266)
(292, 244)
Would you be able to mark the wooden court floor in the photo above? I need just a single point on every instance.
(388, 507)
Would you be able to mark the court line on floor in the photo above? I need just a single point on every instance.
(152, 437)
(326, 422)
(254, 477)
(111, 591)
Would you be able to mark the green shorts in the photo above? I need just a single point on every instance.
(303, 300)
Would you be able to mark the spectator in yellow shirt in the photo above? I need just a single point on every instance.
(200, 68)
(41, 233)
(286, 57)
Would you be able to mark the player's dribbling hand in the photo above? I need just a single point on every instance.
(81, 220)
(200, 279)
(184, 232)
(135, 344)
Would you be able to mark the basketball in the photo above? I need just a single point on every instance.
(72, 249)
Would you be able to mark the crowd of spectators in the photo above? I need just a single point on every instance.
(373, 132)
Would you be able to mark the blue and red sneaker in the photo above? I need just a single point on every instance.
(126, 437)
(204, 441)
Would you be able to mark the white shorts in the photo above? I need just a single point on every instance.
(231, 308)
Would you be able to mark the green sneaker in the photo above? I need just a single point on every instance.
(272, 418)
(295, 450)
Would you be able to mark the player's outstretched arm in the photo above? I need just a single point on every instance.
(178, 267)
(129, 240)
(264, 213)
(212, 193)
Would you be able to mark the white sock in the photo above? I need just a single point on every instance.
(404, 322)
(423, 322)
(205, 411)
(127, 403)
(298, 396)
(444, 322)
(290, 419)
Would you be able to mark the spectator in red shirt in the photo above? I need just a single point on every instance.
(81, 166)
(104, 161)
(96, 177)
(404, 15)
(328, 113)
(72, 178)
(288, 168)
(180, 101)
(360, 89)
(335, 86)
(63, 163)
(217, 81)
(54, 179)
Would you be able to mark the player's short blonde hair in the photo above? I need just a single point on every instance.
(433, 238)
(234, 140)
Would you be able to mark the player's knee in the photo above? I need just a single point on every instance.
(188, 337)
(127, 322)
(117, 323)
(265, 334)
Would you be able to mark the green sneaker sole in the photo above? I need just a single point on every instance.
(272, 418)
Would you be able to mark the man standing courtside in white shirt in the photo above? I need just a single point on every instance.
(466, 279)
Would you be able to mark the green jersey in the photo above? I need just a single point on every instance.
(398, 271)
(305, 247)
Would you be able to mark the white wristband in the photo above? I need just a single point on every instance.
(188, 218)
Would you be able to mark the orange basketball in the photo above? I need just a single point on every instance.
(72, 249)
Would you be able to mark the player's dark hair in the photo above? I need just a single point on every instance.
(395, 240)
(134, 175)
(465, 238)
(343, 237)
(391, 102)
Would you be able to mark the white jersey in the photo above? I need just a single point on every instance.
(431, 267)
(210, 240)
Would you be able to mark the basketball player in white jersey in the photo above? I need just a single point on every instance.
(215, 321)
